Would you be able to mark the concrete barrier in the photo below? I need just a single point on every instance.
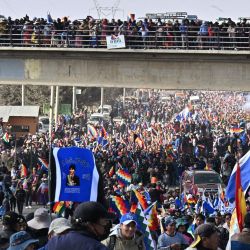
(163, 69)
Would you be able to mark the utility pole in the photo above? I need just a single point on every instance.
(56, 107)
(51, 108)
(74, 100)
(102, 92)
(123, 98)
(23, 94)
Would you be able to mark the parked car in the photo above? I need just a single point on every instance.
(199, 181)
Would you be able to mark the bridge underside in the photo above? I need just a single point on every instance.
(162, 69)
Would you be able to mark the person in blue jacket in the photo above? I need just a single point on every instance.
(91, 223)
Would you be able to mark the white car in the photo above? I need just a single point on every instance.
(98, 118)
(105, 109)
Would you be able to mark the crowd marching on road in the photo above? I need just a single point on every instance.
(142, 159)
(144, 33)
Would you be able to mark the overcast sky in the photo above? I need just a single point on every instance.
(208, 10)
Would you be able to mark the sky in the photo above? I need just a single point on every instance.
(208, 10)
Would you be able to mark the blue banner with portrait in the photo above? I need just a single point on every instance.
(76, 175)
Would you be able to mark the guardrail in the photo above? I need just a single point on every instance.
(161, 38)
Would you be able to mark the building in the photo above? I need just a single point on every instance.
(22, 119)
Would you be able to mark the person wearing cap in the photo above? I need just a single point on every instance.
(181, 227)
(125, 236)
(242, 240)
(91, 224)
(206, 237)
(12, 223)
(171, 239)
(22, 240)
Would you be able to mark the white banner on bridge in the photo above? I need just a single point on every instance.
(115, 42)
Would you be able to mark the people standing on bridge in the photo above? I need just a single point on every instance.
(184, 32)
(203, 35)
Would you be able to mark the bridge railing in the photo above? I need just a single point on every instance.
(160, 38)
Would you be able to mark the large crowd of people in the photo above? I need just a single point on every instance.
(156, 139)
(143, 33)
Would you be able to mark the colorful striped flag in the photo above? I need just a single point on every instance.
(141, 199)
(143, 227)
(191, 201)
(111, 171)
(122, 205)
(44, 164)
(24, 171)
(92, 131)
(103, 132)
(236, 130)
(139, 142)
(6, 137)
(244, 163)
(151, 215)
(240, 202)
(59, 207)
(124, 177)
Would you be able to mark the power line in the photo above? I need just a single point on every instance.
(107, 11)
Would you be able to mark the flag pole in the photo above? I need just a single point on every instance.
(50, 146)
(15, 156)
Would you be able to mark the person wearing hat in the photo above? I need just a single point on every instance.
(22, 240)
(39, 225)
(91, 224)
(242, 240)
(12, 223)
(170, 239)
(59, 226)
(206, 237)
(125, 236)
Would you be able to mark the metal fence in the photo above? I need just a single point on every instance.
(160, 38)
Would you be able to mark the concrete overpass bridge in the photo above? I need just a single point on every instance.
(126, 68)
